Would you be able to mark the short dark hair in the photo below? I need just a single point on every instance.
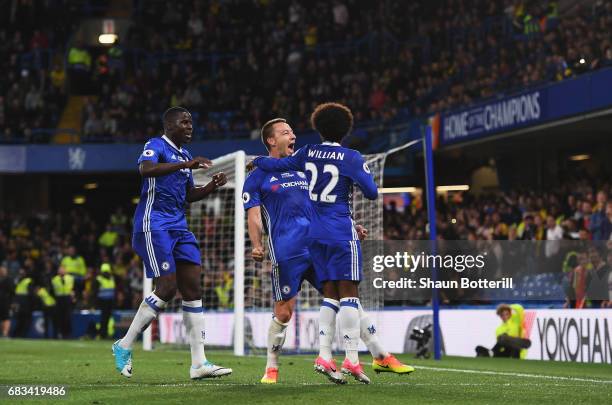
(503, 307)
(333, 121)
(171, 113)
(267, 131)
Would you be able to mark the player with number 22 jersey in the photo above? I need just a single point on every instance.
(331, 171)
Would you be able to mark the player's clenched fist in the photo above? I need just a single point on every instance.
(219, 179)
(257, 254)
(361, 232)
(198, 162)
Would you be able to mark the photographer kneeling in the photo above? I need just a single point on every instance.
(511, 334)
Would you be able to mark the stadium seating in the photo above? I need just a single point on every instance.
(242, 73)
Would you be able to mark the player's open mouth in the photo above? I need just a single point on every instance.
(291, 146)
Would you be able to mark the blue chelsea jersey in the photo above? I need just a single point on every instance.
(331, 171)
(285, 208)
(163, 198)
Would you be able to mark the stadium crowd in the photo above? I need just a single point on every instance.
(33, 35)
(243, 62)
(303, 54)
(574, 222)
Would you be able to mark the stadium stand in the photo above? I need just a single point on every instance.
(389, 72)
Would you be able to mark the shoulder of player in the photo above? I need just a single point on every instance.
(155, 142)
(354, 154)
(303, 149)
(255, 175)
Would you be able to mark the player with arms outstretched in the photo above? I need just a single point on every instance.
(281, 200)
(331, 171)
(170, 252)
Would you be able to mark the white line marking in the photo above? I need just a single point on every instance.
(547, 377)
(506, 373)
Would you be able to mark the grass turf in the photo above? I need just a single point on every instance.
(87, 369)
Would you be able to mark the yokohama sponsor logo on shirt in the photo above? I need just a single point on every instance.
(295, 184)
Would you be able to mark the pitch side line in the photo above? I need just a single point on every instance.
(509, 374)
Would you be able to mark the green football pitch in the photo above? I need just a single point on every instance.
(87, 370)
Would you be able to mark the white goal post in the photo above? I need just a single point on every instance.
(233, 165)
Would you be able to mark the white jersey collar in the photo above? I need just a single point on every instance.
(331, 143)
(165, 138)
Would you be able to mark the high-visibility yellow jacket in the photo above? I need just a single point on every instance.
(514, 326)
(62, 286)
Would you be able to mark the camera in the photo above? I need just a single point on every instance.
(422, 336)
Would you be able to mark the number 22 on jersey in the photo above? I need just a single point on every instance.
(326, 195)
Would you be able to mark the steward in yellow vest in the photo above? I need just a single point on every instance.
(63, 289)
(512, 339)
(106, 296)
(48, 309)
(24, 294)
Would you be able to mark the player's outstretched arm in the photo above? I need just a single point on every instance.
(150, 168)
(197, 193)
(255, 228)
(293, 162)
(362, 176)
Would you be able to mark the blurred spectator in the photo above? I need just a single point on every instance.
(7, 290)
(609, 263)
(599, 218)
(24, 304)
(577, 279)
(93, 126)
(104, 290)
(48, 304)
(119, 221)
(554, 233)
(341, 14)
(79, 68)
(75, 266)
(606, 227)
(108, 239)
(63, 290)
(597, 279)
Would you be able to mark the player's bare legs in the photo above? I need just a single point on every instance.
(188, 282)
(283, 311)
(165, 290)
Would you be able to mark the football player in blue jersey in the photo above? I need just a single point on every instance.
(280, 199)
(283, 198)
(170, 252)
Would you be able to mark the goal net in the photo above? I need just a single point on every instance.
(237, 291)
